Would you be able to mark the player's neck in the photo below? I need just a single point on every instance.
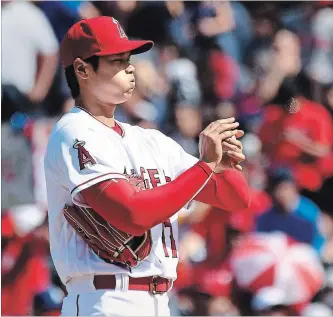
(103, 113)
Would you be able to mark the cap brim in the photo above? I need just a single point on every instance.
(141, 46)
(134, 47)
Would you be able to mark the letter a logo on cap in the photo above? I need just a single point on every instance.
(120, 29)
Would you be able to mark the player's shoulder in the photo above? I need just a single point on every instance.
(74, 120)
(73, 124)
(154, 135)
(140, 131)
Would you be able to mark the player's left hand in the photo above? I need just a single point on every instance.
(232, 154)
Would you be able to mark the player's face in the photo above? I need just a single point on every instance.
(114, 80)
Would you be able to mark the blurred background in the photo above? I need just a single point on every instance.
(269, 64)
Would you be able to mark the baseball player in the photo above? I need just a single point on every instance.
(115, 243)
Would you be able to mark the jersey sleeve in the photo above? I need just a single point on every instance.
(82, 160)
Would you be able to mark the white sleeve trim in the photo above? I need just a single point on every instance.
(74, 193)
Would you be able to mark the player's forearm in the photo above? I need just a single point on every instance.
(228, 190)
(136, 212)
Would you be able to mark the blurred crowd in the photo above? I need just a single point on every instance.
(269, 64)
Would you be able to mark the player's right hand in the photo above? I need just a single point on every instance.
(211, 138)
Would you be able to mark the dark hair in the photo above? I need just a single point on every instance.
(71, 79)
(278, 176)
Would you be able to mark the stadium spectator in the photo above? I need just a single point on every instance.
(291, 213)
(29, 62)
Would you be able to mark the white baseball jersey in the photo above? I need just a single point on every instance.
(81, 152)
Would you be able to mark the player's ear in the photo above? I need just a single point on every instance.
(80, 68)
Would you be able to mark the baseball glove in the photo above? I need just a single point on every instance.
(110, 244)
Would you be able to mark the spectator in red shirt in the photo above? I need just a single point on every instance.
(296, 132)
(24, 270)
(300, 137)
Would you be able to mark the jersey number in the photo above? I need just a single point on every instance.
(167, 224)
(155, 180)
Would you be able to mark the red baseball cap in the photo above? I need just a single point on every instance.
(98, 36)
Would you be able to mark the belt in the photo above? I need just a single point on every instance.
(153, 284)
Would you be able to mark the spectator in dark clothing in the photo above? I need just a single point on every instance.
(291, 213)
(277, 220)
(59, 15)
